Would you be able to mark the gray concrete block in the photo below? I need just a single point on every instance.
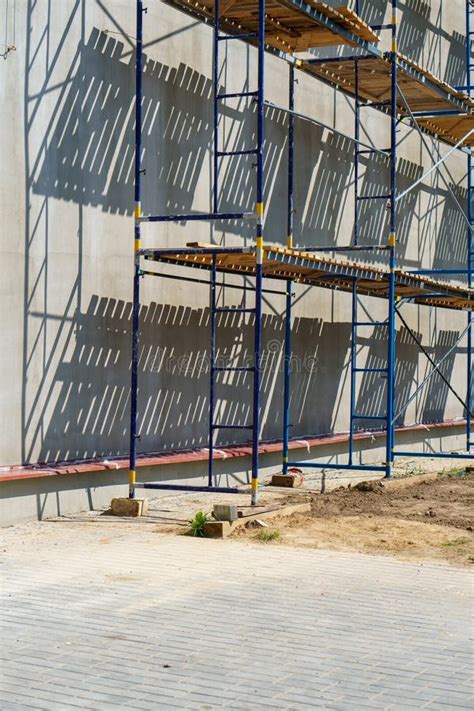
(225, 512)
(129, 507)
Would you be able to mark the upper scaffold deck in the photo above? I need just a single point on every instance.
(451, 129)
(321, 270)
(422, 90)
(290, 25)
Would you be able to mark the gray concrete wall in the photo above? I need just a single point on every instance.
(66, 121)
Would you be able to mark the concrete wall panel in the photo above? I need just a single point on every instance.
(66, 122)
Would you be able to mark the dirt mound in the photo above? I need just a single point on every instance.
(427, 520)
(376, 486)
(447, 501)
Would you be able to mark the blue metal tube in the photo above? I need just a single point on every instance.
(184, 487)
(421, 114)
(437, 455)
(347, 248)
(356, 150)
(259, 249)
(237, 95)
(438, 271)
(353, 369)
(164, 251)
(212, 371)
(381, 196)
(340, 60)
(390, 438)
(470, 245)
(289, 285)
(137, 245)
(377, 28)
(199, 216)
(287, 376)
(243, 36)
(215, 79)
(320, 465)
(291, 155)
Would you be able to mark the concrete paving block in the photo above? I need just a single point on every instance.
(225, 512)
(129, 507)
(291, 481)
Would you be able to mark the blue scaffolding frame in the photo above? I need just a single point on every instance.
(257, 253)
(470, 241)
(258, 216)
(389, 418)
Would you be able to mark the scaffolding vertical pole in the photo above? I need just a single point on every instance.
(470, 257)
(289, 285)
(212, 370)
(215, 73)
(137, 245)
(356, 151)
(390, 443)
(353, 369)
(470, 246)
(353, 355)
(259, 251)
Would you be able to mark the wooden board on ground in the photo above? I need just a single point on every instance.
(246, 511)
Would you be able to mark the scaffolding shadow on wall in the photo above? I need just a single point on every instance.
(415, 97)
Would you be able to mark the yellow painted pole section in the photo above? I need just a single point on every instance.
(137, 213)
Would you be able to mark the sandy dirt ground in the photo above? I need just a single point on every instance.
(424, 520)
(426, 513)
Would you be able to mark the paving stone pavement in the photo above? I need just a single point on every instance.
(116, 616)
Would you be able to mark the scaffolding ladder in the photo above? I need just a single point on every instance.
(258, 216)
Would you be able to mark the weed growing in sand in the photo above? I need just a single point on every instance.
(197, 524)
(267, 536)
(455, 542)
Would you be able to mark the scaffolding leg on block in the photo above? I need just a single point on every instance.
(259, 253)
(210, 481)
(470, 245)
(289, 285)
(137, 246)
(390, 440)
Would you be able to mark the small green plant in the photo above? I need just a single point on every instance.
(267, 536)
(452, 473)
(455, 542)
(197, 524)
